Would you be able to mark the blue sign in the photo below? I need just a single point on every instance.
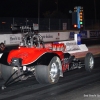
(83, 34)
(71, 36)
(79, 39)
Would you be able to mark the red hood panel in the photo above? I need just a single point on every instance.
(28, 55)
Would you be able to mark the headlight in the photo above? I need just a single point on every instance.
(16, 62)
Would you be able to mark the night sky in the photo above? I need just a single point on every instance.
(29, 8)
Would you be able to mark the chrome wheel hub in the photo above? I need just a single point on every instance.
(53, 71)
(91, 63)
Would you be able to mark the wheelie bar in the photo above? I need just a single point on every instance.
(11, 81)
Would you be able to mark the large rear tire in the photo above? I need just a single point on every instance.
(89, 62)
(48, 74)
(7, 71)
(0, 71)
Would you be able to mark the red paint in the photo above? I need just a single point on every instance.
(65, 67)
(29, 55)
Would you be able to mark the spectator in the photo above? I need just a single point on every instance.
(2, 46)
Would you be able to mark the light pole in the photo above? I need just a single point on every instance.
(56, 4)
(38, 13)
(95, 10)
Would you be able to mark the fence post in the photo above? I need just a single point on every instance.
(13, 21)
(26, 21)
(84, 24)
(49, 24)
(59, 24)
(99, 23)
(92, 25)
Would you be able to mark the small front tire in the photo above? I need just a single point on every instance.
(89, 62)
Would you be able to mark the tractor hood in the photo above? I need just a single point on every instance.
(28, 55)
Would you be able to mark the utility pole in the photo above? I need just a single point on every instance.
(38, 13)
(95, 11)
(56, 4)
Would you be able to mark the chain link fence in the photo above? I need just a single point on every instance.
(46, 24)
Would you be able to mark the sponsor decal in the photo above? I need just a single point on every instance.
(94, 34)
(83, 34)
(48, 45)
(15, 39)
(71, 46)
(47, 36)
(58, 36)
(71, 36)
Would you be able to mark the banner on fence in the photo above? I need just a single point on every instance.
(83, 34)
(71, 35)
(94, 34)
